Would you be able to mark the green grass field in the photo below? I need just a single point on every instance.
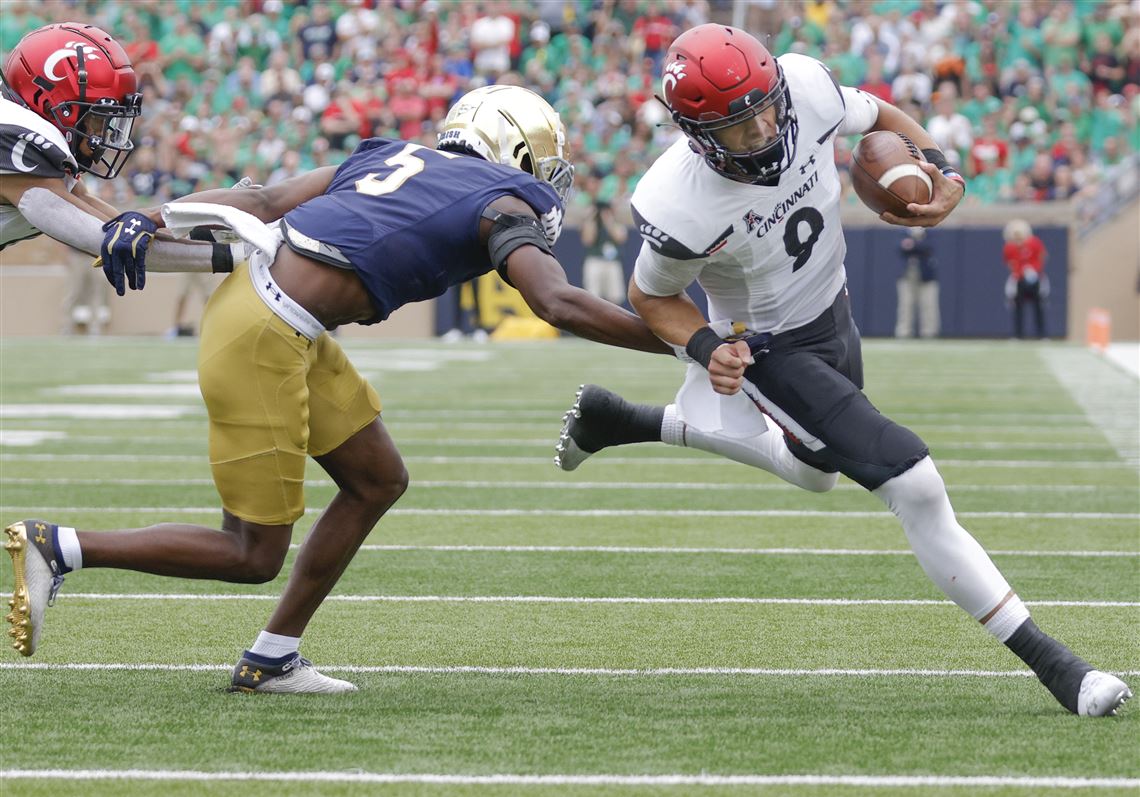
(657, 622)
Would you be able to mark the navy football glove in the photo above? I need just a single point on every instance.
(125, 241)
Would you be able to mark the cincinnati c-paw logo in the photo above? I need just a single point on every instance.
(673, 73)
(654, 236)
(90, 52)
(22, 142)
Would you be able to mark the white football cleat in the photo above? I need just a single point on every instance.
(296, 675)
(1101, 694)
(568, 455)
(38, 577)
(590, 425)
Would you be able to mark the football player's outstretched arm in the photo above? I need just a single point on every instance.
(947, 192)
(268, 203)
(543, 284)
(72, 217)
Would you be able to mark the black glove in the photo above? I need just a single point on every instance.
(125, 241)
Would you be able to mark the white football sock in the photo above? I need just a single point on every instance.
(766, 451)
(69, 547)
(951, 558)
(274, 646)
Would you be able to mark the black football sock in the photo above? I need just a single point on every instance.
(1056, 666)
(610, 420)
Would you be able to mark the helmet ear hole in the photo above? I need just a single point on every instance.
(526, 165)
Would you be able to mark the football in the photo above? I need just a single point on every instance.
(885, 173)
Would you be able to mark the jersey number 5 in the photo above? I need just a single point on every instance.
(408, 162)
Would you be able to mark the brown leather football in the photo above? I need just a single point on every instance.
(885, 173)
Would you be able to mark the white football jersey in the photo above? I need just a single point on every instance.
(770, 257)
(32, 146)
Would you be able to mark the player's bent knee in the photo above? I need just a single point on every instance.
(917, 494)
(923, 483)
(817, 481)
(260, 562)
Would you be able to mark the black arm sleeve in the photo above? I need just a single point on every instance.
(509, 233)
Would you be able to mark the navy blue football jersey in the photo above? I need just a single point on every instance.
(406, 218)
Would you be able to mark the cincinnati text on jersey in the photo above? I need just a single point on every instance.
(753, 220)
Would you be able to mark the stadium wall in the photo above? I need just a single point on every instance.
(1100, 270)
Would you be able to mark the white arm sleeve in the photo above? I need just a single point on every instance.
(657, 275)
(862, 112)
(53, 215)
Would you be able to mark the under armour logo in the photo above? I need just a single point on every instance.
(247, 673)
(808, 165)
(40, 529)
(133, 227)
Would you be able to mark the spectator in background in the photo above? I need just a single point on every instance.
(1027, 285)
(603, 236)
(319, 32)
(917, 286)
(86, 307)
(950, 129)
(1041, 177)
(280, 79)
(1106, 71)
(409, 108)
(912, 84)
(491, 37)
(874, 82)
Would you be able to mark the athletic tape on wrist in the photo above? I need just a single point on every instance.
(702, 345)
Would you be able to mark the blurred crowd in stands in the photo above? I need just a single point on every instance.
(1035, 100)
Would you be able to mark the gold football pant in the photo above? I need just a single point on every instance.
(274, 397)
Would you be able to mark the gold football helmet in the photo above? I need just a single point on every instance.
(513, 126)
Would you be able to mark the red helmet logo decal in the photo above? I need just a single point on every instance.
(90, 52)
(673, 72)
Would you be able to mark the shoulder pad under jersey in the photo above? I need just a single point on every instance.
(815, 94)
(673, 209)
(32, 146)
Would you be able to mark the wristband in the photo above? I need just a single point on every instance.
(935, 156)
(702, 345)
(950, 173)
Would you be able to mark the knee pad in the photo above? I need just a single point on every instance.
(871, 453)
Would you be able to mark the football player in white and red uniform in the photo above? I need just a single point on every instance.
(68, 103)
(747, 205)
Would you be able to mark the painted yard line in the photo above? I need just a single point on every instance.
(98, 411)
(698, 459)
(176, 596)
(509, 442)
(619, 672)
(587, 513)
(196, 429)
(726, 551)
(576, 485)
(900, 781)
(1108, 396)
(525, 411)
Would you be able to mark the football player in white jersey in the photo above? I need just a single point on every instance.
(747, 205)
(68, 103)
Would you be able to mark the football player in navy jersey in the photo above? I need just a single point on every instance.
(395, 223)
(747, 205)
(68, 104)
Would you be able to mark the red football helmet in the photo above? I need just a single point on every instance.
(729, 96)
(79, 79)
